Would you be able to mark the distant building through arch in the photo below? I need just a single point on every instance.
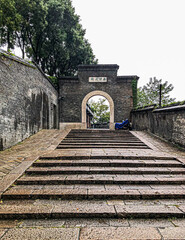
(100, 79)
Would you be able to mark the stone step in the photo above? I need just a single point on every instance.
(71, 140)
(101, 146)
(92, 157)
(99, 131)
(104, 170)
(99, 187)
(102, 139)
(96, 142)
(56, 209)
(103, 143)
(107, 163)
(101, 134)
(94, 179)
(92, 194)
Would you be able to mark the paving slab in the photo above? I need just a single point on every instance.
(113, 194)
(87, 222)
(173, 202)
(182, 207)
(9, 223)
(2, 232)
(14, 161)
(48, 223)
(26, 211)
(148, 211)
(33, 146)
(120, 222)
(178, 222)
(115, 202)
(39, 234)
(84, 208)
(177, 233)
(143, 202)
(162, 223)
(119, 233)
(45, 193)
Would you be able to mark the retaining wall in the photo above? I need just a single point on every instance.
(168, 123)
(28, 100)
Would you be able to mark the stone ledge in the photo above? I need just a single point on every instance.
(16, 59)
(174, 108)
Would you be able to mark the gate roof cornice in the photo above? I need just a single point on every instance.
(128, 77)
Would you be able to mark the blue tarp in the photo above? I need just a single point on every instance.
(121, 125)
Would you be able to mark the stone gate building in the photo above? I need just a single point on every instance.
(92, 80)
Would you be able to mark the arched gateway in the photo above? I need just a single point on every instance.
(92, 80)
(111, 104)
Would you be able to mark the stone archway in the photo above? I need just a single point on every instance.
(109, 99)
(91, 80)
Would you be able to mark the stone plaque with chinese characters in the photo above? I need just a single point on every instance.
(97, 79)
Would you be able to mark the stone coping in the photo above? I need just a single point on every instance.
(26, 63)
(173, 108)
(152, 108)
(127, 77)
(17, 59)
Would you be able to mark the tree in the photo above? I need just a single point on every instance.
(149, 93)
(66, 47)
(101, 110)
(9, 23)
(48, 31)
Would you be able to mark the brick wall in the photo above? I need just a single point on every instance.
(28, 101)
(168, 123)
(72, 91)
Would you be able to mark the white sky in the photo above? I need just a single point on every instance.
(96, 98)
(144, 37)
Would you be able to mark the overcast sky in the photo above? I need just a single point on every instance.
(144, 37)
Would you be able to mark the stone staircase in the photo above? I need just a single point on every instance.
(98, 186)
(101, 139)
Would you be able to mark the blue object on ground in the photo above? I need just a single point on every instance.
(121, 125)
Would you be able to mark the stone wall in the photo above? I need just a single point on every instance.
(72, 91)
(28, 100)
(167, 123)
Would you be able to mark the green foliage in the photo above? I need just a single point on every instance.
(101, 110)
(172, 104)
(149, 93)
(48, 31)
(54, 80)
(9, 23)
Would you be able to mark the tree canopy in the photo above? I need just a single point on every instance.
(149, 93)
(48, 31)
(101, 110)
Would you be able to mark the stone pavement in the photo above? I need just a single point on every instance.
(109, 217)
(43, 142)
